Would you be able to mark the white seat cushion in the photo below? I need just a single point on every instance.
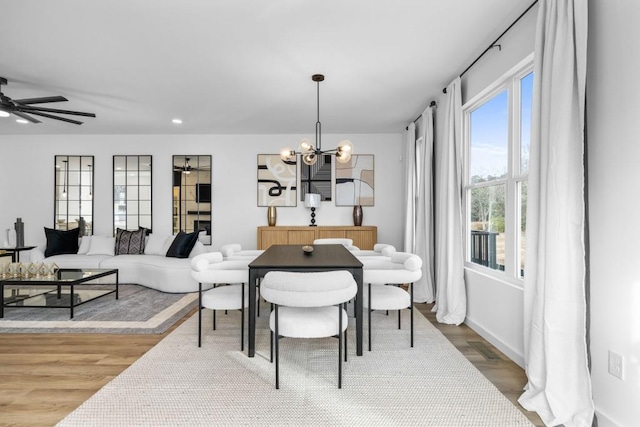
(225, 298)
(308, 322)
(386, 297)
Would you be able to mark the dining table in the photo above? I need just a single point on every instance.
(328, 257)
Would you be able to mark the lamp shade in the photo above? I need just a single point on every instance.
(311, 200)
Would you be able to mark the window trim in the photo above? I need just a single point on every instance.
(509, 81)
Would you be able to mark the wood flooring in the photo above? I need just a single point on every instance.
(44, 377)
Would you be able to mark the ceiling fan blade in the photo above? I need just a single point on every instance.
(40, 100)
(55, 110)
(26, 117)
(50, 116)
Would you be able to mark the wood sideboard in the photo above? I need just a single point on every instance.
(363, 237)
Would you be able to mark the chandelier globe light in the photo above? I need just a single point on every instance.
(310, 152)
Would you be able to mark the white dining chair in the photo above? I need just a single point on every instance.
(228, 292)
(383, 278)
(347, 243)
(305, 307)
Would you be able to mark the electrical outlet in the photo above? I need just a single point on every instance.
(615, 364)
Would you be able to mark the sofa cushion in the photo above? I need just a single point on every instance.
(61, 242)
(102, 245)
(130, 242)
(182, 244)
(155, 243)
(85, 242)
(78, 261)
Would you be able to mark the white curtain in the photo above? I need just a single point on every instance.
(559, 385)
(451, 298)
(419, 203)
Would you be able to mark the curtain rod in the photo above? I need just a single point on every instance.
(432, 104)
(493, 45)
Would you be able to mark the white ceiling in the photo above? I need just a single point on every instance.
(240, 66)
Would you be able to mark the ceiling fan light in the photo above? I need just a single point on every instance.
(287, 154)
(310, 159)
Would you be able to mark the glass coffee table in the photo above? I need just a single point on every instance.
(67, 288)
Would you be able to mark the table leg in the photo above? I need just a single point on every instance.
(1, 301)
(71, 301)
(117, 282)
(251, 348)
(357, 274)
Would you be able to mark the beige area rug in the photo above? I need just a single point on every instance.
(139, 310)
(178, 384)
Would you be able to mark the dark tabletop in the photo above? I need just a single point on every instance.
(292, 256)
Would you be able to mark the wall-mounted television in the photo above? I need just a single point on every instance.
(203, 193)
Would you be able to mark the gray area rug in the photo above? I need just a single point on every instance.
(178, 384)
(139, 310)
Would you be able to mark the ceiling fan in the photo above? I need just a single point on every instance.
(23, 108)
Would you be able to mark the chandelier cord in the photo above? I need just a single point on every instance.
(318, 124)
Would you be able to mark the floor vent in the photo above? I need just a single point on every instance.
(482, 348)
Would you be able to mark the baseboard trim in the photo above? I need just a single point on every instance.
(508, 351)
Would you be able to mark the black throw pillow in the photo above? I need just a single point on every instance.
(61, 242)
(182, 244)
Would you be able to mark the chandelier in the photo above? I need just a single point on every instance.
(309, 151)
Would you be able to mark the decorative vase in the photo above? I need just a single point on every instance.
(357, 215)
(9, 238)
(272, 215)
(19, 227)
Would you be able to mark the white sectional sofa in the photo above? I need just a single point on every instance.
(152, 269)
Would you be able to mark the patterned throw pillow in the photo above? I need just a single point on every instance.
(130, 242)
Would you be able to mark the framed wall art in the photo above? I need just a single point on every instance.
(277, 181)
(355, 181)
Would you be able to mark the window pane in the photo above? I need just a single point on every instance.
(523, 225)
(526, 102)
(489, 128)
(488, 226)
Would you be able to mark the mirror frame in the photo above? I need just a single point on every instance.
(132, 198)
(74, 182)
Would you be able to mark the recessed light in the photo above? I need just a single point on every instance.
(4, 114)
(23, 121)
(177, 121)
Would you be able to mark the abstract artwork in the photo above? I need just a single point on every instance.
(354, 181)
(316, 178)
(276, 181)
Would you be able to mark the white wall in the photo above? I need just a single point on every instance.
(26, 181)
(613, 125)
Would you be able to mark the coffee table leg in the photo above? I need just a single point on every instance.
(71, 301)
(117, 282)
(1, 301)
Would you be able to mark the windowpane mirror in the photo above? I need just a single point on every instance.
(131, 192)
(192, 195)
(74, 194)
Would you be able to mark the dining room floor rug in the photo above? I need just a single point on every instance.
(178, 384)
(139, 310)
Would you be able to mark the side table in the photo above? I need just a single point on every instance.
(15, 252)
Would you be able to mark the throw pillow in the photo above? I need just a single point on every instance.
(130, 242)
(61, 242)
(101, 245)
(85, 243)
(182, 244)
(155, 243)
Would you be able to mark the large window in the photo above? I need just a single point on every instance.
(497, 135)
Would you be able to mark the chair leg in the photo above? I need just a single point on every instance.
(214, 320)
(345, 335)
(339, 346)
(369, 314)
(411, 293)
(242, 320)
(399, 325)
(276, 338)
(271, 341)
(199, 314)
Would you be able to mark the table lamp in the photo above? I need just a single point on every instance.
(312, 200)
